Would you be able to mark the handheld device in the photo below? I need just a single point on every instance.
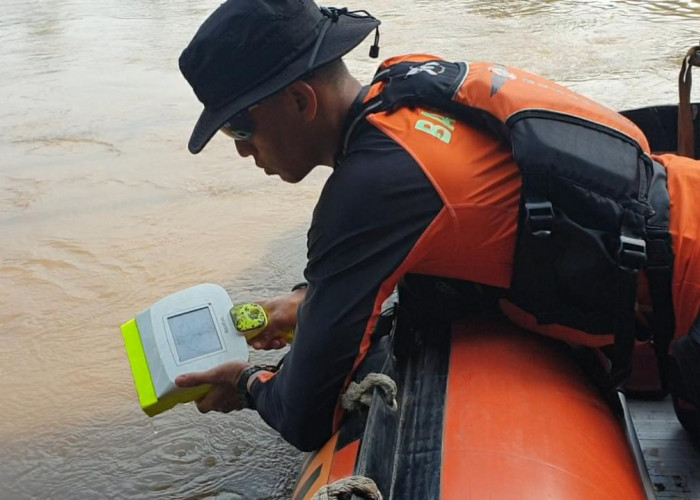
(188, 331)
(251, 321)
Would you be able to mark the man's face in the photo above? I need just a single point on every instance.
(277, 140)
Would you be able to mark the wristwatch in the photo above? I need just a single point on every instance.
(242, 385)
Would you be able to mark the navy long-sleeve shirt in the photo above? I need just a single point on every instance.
(372, 211)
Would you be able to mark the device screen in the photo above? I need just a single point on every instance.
(194, 334)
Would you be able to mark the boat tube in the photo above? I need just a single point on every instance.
(485, 410)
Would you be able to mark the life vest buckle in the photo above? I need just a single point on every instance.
(539, 216)
(632, 253)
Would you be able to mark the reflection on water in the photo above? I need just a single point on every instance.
(103, 211)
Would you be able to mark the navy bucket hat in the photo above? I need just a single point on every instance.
(249, 49)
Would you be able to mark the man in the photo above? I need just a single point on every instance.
(413, 191)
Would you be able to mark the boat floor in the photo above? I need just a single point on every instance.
(672, 459)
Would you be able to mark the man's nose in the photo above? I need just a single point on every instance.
(244, 148)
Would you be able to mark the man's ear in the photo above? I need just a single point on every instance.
(305, 99)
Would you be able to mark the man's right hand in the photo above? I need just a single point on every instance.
(281, 317)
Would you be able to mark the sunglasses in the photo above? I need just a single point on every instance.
(240, 126)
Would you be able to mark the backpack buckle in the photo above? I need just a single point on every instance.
(539, 216)
(632, 253)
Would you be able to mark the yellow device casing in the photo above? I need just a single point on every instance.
(150, 403)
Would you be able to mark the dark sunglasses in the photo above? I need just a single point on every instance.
(240, 126)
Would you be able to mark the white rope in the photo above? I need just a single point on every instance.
(360, 394)
(343, 488)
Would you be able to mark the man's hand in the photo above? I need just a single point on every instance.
(281, 317)
(223, 396)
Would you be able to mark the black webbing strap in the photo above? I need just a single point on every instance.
(659, 271)
(660, 277)
(631, 257)
(623, 347)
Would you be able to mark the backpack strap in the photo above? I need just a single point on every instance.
(659, 270)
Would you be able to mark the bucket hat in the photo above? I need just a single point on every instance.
(249, 49)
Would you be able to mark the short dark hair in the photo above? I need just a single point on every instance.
(331, 72)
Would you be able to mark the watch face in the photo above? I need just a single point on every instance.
(248, 318)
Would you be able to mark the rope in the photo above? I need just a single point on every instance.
(360, 394)
(344, 488)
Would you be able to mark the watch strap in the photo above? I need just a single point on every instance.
(242, 385)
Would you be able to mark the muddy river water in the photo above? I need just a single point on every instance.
(103, 211)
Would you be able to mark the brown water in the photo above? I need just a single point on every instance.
(103, 211)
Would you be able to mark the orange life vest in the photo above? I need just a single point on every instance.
(593, 205)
